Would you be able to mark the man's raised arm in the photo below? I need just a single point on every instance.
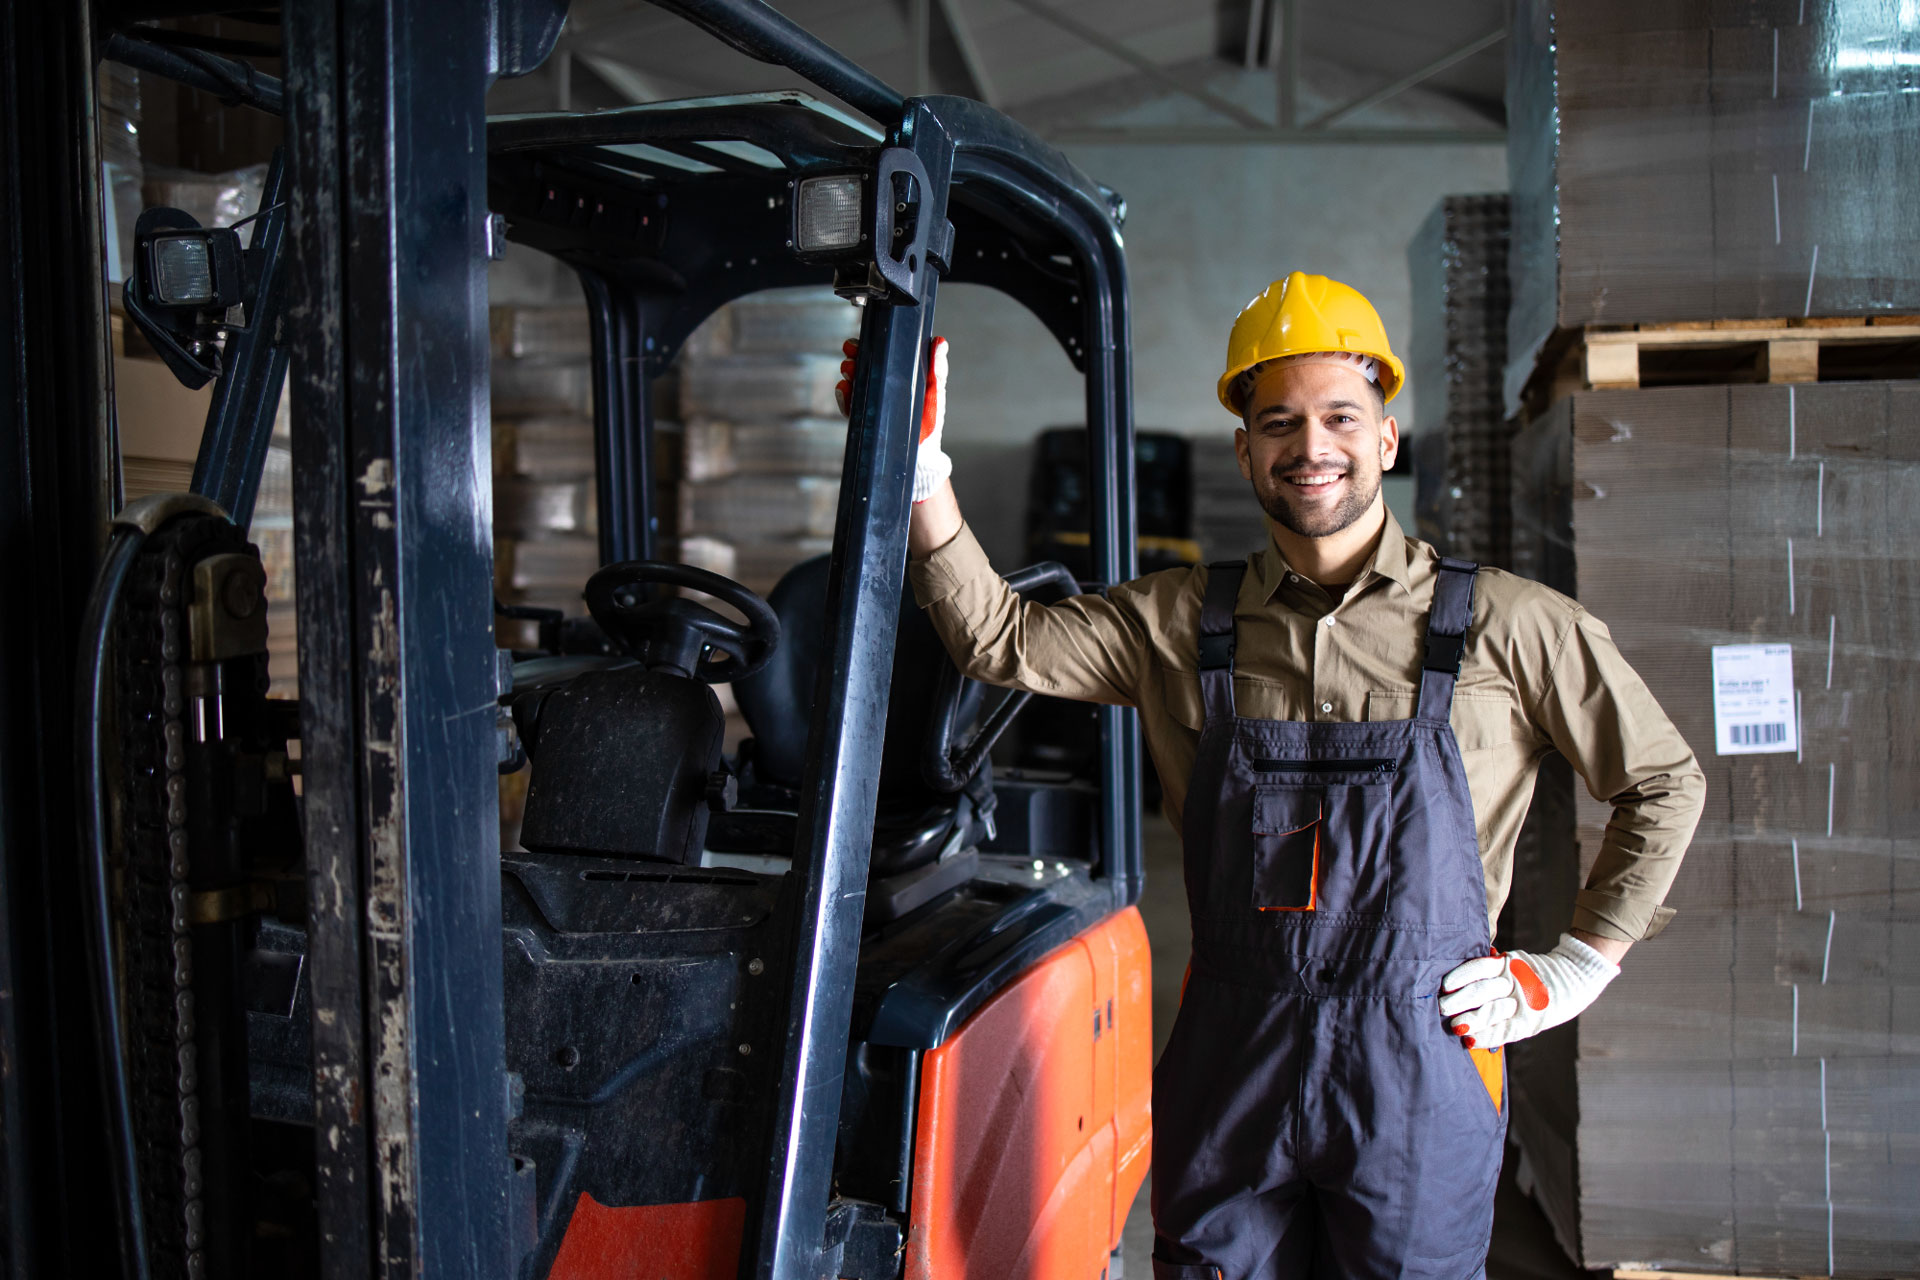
(1088, 647)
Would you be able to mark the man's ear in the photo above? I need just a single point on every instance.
(1389, 442)
(1242, 451)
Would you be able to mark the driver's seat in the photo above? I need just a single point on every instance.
(913, 822)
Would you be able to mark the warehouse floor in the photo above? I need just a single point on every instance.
(1523, 1243)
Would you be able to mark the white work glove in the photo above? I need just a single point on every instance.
(1496, 1000)
(932, 464)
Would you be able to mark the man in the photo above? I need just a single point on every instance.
(1347, 727)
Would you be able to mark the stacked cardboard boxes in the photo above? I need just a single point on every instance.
(1708, 159)
(1457, 265)
(1746, 1097)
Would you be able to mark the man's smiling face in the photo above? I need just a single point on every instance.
(1315, 442)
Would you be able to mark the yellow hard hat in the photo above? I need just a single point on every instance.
(1302, 315)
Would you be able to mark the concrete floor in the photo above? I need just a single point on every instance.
(1523, 1243)
(1163, 906)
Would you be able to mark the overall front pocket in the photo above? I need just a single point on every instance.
(1325, 845)
(1286, 847)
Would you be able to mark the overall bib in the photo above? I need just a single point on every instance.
(1312, 1115)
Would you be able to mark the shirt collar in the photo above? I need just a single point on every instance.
(1389, 560)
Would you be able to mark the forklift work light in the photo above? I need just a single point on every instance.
(199, 268)
(827, 213)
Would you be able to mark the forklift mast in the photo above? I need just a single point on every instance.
(426, 1080)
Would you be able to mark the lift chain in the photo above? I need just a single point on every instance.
(152, 651)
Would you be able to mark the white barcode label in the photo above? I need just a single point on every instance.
(1753, 708)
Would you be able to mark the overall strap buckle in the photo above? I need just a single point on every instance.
(1446, 641)
(1215, 640)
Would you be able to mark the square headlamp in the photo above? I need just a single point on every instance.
(829, 214)
(198, 268)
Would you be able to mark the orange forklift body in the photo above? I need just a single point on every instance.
(1035, 1120)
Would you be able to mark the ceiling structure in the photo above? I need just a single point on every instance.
(1167, 71)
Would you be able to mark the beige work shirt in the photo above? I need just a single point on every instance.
(1540, 673)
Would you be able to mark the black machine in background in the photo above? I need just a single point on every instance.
(1057, 735)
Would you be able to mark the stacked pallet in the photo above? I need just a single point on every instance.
(1226, 516)
(546, 535)
(1696, 162)
(1721, 462)
(1458, 268)
(1747, 1094)
(764, 440)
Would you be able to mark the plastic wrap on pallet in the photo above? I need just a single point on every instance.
(1457, 264)
(1746, 1097)
(796, 446)
(750, 387)
(1704, 160)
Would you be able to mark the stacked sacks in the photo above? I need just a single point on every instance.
(1458, 268)
(546, 535)
(1746, 1097)
(764, 441)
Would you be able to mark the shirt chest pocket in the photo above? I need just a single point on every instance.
(1480, 720)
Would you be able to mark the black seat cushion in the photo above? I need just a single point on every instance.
(621, 759)
(777, 701)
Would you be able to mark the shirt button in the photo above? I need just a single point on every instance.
(1326, 706)
(1329, 619)
(1293, 577)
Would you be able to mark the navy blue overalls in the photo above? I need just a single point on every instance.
(1312, 1115)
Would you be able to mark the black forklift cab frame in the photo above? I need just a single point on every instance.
(984, 202)
(1019, 218)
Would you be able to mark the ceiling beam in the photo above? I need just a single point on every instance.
(1139, 62)
(1270, 137)
(969, 50)
(920, 31)
(1411, 79)
(1285, 58)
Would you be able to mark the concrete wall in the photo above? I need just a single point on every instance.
(1207, 228)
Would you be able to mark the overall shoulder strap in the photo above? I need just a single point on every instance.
(1216, 636)
(1446, 637)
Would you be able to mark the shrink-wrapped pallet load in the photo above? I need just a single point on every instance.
(1746, 1097)
(1456, 361)
(1707, 161)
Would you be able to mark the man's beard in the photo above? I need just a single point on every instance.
(1363, 486)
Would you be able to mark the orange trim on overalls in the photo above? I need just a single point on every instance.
(1493, 1072)
(1313, 882)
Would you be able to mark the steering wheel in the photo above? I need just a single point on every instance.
(672, 633)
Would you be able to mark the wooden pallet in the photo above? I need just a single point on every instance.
(1714, 352)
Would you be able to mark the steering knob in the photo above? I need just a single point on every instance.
(671, 633)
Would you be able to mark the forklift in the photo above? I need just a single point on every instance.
(847, 1001)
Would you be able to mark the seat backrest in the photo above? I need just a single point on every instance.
(777, 701)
